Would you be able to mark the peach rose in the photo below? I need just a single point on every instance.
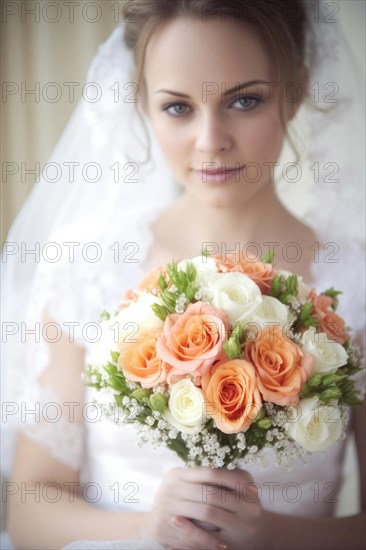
(150, 282)
(232, 397)
(191, 341)
(128, 298)
(282, 368)
(261, 273)
(139, 361)
(330, 323)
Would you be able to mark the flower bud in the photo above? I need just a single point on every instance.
(315, 381)
(264, 423)
(330, 393)
(141, 395)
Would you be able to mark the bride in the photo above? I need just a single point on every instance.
(219, 87)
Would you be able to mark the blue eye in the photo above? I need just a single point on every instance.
(177, 112)
(247, 102)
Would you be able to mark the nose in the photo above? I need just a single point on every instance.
(211, 135)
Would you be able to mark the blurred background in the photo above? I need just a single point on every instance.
(46, 48)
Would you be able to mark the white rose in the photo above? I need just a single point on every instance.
(186, 407)
(205, 267)
(125, 327)
(314, 426)
(329, 356)
(304, 289)
(236, 294)
(271, 310)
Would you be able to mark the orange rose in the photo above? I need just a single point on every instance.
(231, 395)
(281, 366)
(192, 341)
(139, 361)
(329, 321)
(261, 273)
(150, 282)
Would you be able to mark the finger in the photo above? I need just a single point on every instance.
(197, 538)
(221, 518)
(233, 479)
(220, 483)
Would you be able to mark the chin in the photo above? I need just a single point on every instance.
(222, 199)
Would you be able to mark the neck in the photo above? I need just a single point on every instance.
(210, 224)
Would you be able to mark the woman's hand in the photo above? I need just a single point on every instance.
(226, 499)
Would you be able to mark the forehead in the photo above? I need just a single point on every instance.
(187, 52)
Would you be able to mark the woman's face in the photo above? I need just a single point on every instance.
(190, 67)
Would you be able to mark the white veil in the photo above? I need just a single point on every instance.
(73, 280)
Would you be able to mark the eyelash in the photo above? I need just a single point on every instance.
(255, 98)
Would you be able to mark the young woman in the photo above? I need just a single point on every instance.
(219, 84)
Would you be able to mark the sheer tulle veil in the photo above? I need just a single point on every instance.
(74, 224)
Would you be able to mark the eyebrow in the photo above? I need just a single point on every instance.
(234, 89)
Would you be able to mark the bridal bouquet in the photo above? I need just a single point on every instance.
(218, 359)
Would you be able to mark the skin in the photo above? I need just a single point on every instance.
(230, 213)
(235, 130)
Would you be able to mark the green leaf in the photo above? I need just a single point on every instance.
(118, 400)
(115, 355)
(306, 310)
(330, 394)
(292, 285)
(332, 293)
(162, 282)
(110, 369)
(315, 381)
(172, 270)
(330, 379)
(158, 402)
(160, 311)
(268, 258)
(191, 272)
(190, 292)
(105, 316)
(119, 384)
(276, 286)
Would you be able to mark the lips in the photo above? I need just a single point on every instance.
(209, 171)
(219, 175)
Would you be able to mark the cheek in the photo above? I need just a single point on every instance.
(171, 142)
(264, 137)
